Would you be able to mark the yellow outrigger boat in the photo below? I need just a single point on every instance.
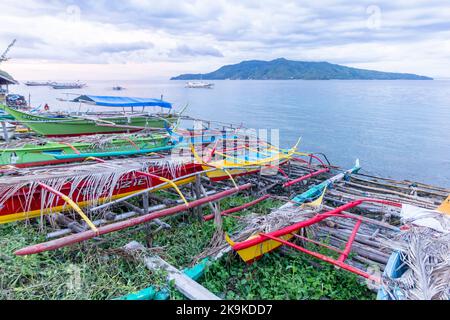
(244, 160)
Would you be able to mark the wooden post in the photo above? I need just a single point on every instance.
(148, 228)
(5, 131)
(289, 169)
(258, 188)
(188, 287)
(145, 202)
(216, 213)
(198, 194)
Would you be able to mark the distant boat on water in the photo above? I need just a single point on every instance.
(118, 88)
(69, 85)
(199, 85)
(39, 83)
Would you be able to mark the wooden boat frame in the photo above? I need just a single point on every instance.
(78, 126)
(165, 183)
(252, 249)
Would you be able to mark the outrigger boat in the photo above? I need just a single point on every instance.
(39, 83)
(243, 157)
(39, 153)
(29, 193)
(21, 190)
(310, 204)
(199, 85)
(72, 85)
(99, 123)
(313, 195)
(42, 190)
(306, 210)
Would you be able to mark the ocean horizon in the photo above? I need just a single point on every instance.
(397, 128)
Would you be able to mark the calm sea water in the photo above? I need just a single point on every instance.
(399, 129)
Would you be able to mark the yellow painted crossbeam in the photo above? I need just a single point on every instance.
(71, 203)
(200, 160)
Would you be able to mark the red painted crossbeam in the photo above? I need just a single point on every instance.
(325, 258)
(348, 246)
(306, 223)
(337, 212)
(305, 177)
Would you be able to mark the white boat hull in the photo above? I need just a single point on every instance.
(199, 85)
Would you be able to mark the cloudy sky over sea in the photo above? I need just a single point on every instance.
(137, 39)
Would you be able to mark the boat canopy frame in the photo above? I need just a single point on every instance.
(123, 102)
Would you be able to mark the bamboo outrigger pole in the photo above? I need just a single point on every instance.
(89, 234)
(305, 177)
(154, 176)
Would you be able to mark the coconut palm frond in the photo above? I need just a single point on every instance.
(97, 180)
(428, 259)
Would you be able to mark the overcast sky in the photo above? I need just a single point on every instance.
(138, 39)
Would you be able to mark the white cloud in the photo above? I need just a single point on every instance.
(56, 36)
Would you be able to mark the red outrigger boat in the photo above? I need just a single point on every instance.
(35, 199)
(44, 190)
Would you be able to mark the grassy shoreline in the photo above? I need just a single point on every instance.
(99, 271)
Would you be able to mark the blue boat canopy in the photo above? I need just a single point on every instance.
(107, 101)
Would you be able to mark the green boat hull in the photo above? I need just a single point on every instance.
(5, 116)
(70, 126)
(55, 152)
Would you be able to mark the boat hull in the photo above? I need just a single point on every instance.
(239, 170)
(23, 205)
(66, 127)
(67, 87)
(220, 175)
(54, 152)
(5, 116)
(253, 253)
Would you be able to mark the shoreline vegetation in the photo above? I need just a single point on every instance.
(101, 270)
(283, 69)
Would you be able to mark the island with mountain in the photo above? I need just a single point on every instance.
(283, 69)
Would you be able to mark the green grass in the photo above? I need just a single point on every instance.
(99, 271)
(78, 272)
(282, 277)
